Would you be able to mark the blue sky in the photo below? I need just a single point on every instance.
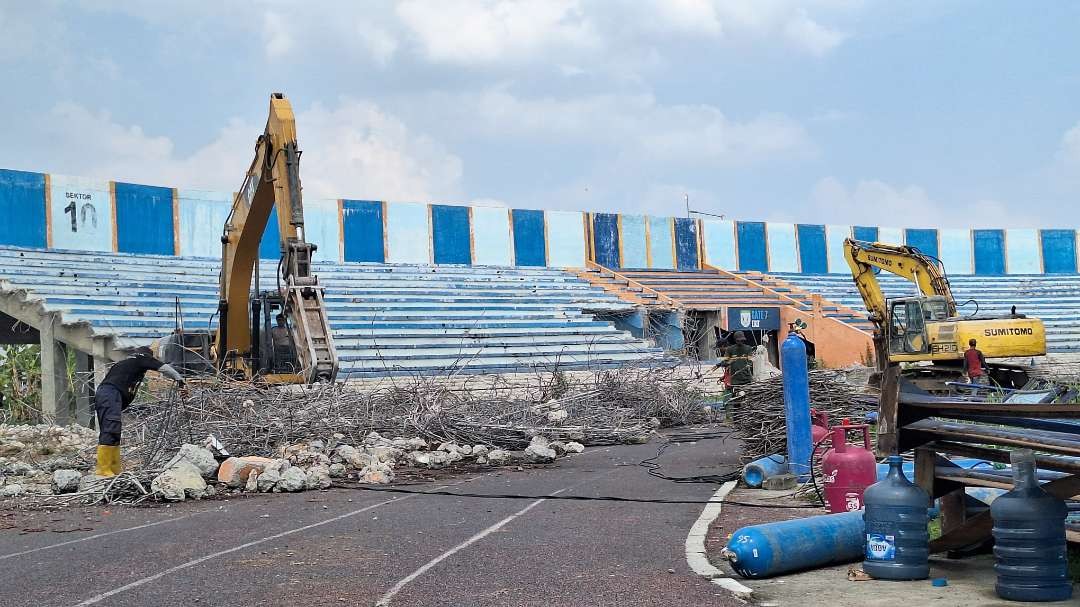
(911, 114)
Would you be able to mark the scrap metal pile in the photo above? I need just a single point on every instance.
(756, 412)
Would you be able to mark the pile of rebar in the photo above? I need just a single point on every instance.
(756, 412)
(605, 407)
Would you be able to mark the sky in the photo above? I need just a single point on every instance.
(907, 114)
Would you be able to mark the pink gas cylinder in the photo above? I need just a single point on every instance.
(819, 427)
(847, 469)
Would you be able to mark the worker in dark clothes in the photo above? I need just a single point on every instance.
(975, 364)
(115, 393)
(737, 360)
(284, 356)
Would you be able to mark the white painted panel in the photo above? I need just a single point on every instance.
(834, 247)
(81, 216)
(202, 218)
(491, 236)
(1023, 254)
(720, 244)
(783, 250)
(407, 234)
(955, 250)
(322, 227)
(893, 236)
(566, 239)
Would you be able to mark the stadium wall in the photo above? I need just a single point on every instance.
(62, 212)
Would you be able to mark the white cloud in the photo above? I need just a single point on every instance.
(474, 31)
(877, 203)
(635, 128)
(810, 35)
(352, 149)
(1069, 152)
(277, 35)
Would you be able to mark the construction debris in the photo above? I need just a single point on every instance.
(756, 412)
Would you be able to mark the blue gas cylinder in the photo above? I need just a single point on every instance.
(796, 405)
(897, 540)
(755, 473)
(1029, 538)
(760, 551)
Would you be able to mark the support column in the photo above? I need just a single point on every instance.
(84, 389)
(57, 400)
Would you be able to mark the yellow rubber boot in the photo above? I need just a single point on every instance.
(108, 460)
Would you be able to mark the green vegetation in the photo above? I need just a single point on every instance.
(20, 383)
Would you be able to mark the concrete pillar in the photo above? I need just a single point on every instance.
(84, 389)
(57, 400)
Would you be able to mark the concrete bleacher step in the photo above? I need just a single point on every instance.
(412, 318)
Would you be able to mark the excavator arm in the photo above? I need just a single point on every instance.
(926, 272)
(272, 181)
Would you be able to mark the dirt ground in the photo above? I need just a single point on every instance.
(970, 580)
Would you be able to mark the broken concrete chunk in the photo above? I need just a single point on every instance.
(337, 470)
(539, 440)
(479, 450)
(66, 480)
(780, 482)
(429, 459)
(252, 484)
(182, 480)
(573, 447)
(500, 457)
(292, 480)
(539, 454)
(268, 479)
(12, 490)
(317, 477)
(448, 447)
(199, 457)
(234, 472)
(377, 474)
(416, 443)
(482, 460)
(384, 454)
(211, 491)
(557, 415)
(353, 457)
(558, 447)
(464, 450)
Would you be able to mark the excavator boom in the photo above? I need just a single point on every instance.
(926, 272)
(272, 181)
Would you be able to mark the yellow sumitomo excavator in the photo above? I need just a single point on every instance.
(248, 344)
(927, 327)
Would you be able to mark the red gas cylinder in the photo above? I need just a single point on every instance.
(819, 428)
(847, 470)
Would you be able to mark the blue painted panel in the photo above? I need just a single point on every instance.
(752, 249)
(686, 243)
(955, 250)
(202, 219)
(491, 236)
(925, 240)
(22, 205)
(144, 219)
(1059, 251)
(633, 241)
(783, 247)
(566, 239)
(989, 246)
(661, 242)
(813, 258)
(866, 233)
(270, 245)
(1022, 254)
(720, 244)
(408, 237)
(529, 248)
(606, 239)
(450, 234)
(362, 222)
(80, 214)
(834, 243)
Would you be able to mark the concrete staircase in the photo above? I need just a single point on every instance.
(387, 319)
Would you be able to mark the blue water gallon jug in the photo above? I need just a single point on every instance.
(895, 520)
(1029, 538)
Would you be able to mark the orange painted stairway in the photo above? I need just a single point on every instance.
(842, 335)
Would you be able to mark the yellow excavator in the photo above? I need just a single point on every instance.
(279, 335)
(927, 327)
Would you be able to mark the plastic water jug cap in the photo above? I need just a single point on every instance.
(895, 459)
(1022, 456)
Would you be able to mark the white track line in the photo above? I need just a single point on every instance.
(94, 537)
(385, 599)
(695, 545)
(203, 559)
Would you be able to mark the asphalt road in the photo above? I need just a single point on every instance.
(349, 546)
